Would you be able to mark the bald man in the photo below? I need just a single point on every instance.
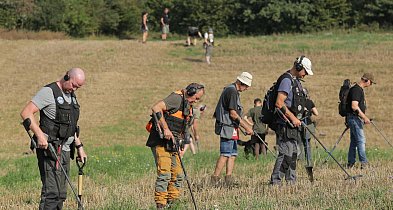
(59, 114)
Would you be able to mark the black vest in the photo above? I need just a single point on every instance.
(65, 123)
(299, 98)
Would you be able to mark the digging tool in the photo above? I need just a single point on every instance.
(380, 132)
(320, 143)
(80, 181)
(307, 152)
(26, 123)
(337, 142)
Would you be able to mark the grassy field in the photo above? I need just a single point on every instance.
(124, 78)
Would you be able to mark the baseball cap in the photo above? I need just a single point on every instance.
(306, 63)
(210, 30)
(369, 76)
(245, 78)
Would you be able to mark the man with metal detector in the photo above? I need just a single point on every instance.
(290, 100)
(171, 116)
(228, 121)
(356, 117)
(56, 136)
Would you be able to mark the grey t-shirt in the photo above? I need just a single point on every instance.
(286, 86)
(45, 101)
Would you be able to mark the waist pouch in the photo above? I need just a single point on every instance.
(292, 133)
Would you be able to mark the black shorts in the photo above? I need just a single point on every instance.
(255, 139)
(193, 34)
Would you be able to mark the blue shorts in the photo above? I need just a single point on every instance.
(228, 147)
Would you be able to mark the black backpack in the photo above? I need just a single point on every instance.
(269, 103)
(343, 97)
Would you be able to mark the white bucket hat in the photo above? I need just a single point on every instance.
(245, 78)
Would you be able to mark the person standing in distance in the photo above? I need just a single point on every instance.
(356, 117)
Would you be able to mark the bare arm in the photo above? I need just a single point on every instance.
(248, 120)
(280, 102)
(162, 21)
(28, 112)
(195, 129)
(315, 111)
(355, 108)
(234, 116)
(145, 20)
(161, 107)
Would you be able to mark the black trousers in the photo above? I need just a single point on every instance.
(54, 183)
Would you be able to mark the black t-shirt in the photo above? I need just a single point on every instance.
(356, 93)
(309, 105)
(230, 99)
(165, 18)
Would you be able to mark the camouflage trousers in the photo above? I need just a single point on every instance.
(169, 175)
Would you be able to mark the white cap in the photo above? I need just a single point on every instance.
(306, 63)
(245, 78)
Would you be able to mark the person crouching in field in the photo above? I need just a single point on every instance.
(193, 33)
(173, 114)
(253, 117)
(144, 27)
(356, 106)
(291, 101)
(208, 45)
(228, 120)
(59, 114)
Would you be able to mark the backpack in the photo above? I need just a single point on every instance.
(269, 103)
(343, 97)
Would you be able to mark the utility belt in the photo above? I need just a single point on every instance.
(57, 144)
(179, 139)
(289, 133)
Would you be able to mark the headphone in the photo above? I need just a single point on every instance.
(193, 88)
(298, 63)
(66, 77)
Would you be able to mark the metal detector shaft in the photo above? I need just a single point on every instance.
(26, 123)
(335, 144)
(326, 150)
(380, 132)
(186, 177)
(257, 135)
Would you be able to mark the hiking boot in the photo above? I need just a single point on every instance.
(350, 165)
(364, 165)
(160, 206)
(215, 180)
(230, 182)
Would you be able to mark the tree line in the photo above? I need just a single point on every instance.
(80, 18)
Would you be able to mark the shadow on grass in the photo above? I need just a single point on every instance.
(195, 60)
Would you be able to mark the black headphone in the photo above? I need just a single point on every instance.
(66, 77)
(298, 63)
(193, 88)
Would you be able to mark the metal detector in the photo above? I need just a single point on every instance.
(337, 142)
(185, 175)
(330, 154)
(380, 132)
(26, 123)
